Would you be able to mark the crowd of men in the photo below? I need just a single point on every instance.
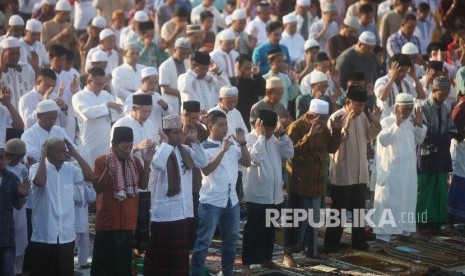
(169, 114)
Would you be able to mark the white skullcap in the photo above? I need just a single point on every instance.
(289, 18)
(49, 2)
(228, 92)
(274, 82)
(141, 16)
(62, 5)
(183, 43)
(99, 22)
(228, 20)
(367, 38)
(106, 33)
(239, 14)
(99, 56)
(148, 72)
(227, 34)
(310, 43)
(318, 106)
(404, 99)
(352, 21)
(329, 7)
(131, 45)
(15, 20)
(10, 42)
(303, 3)
(172, 121)
(34, 25)
(410, 49)
(317, 77)
(47, 106)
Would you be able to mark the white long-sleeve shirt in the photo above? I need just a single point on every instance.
(5, 121)
(38, 47)
(84, 194)
(263, 180)
(225, 61)
(317, 27)
(257, 28)
(113, 59)
(234, 119)
(19, 81)
(180, 206)
(125, 81)
(295, 45)
(169, 76)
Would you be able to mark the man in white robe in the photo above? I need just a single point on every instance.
(396, 183)
(149, 80)
(257, 27)
(95, 109)
(171, 69)
(31, 47)
(292, 39)
(198, 84)
(107, 45)
(125, 79)
(225, 56)
(9, 116)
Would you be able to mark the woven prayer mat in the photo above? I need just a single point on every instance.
(451, 242)
(428, 253)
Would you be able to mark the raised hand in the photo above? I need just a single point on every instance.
(279, 127)
(74, 86)
(399, 118)
(5, 95)
(23, 189)
(43, 150)
(163, 137)
(147, 155)
(71, 150)
(375, 114)
(203, 117)
(143, 144)
(240, 136)
(226, 144)
(259, 128)
(348, 120)
(162, 104)
(418, 117)
(394, 71)
(190, 133)
(337, 122)
(34, 60)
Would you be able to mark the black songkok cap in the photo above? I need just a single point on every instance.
(122, 134)
(269, 118)
(274, 52)
(142, 99)
(191, 106)
(357, 94)
(145, 26)
(202, 58)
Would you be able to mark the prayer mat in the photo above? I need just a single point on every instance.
(452, 242)
(428, 253)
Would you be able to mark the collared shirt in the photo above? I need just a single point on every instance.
(234, 119)
(180, 206)
(263, 181)
(152, 56)
(35, 136)
(295, 45)
(169, 77)
(291, 90)
(19, 81)
(225, 61)
(317, 27)
(220, 185)
(403, 86)
(8, 196)
(260, 54)
(257, 28)
(125, 81)
(53, 204)
(397, 40)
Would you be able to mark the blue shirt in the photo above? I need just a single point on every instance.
(261, 54)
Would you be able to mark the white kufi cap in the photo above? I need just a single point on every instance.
(183, 43)
(352, 21)
(99, 56)
(404, 99)
(99, 22)
(34, 25)
(367, 38)
(310, 43)
(141, 16)
(62, 5)
(47, 106)
(148, 72)
(15, 20)
(106, 33)
(228, 92)
(10, 42)
(227, 34)
(289, 18)
(303, 3)
(317, 77)
(410, 49)
(318, 106)
(239, 14)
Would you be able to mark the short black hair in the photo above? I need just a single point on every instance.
(47, 73)
(322, 56)
(408, 17)
(181, 12)
(365, 9)
(402, 59)
(204, 15)
(435, 46)
(378, 49)
(56, 50)
(424, 7)
(96, 72)
(356, 76)
(70, 56)
(242, 58)
(214, 115)
(273, 26)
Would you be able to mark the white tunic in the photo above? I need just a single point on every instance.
(180, 206)
(83, 14)
(396, 184)
(300, 21)
(205, 91)
(386, 106)
(157, 114)
(263, 180)
(5, 121)
(113, 59)
(126, 34)
(94, 119)
(234, 119)
(317, 27)
(125, 81)
(140, 131)
(27, 109)
(53, 206)
(218, 21)
(257, 28)
(169, 76)
(84, 194)
(18, 82)
(225, 61)
(66, 78)
(38, 47)
(295, 45)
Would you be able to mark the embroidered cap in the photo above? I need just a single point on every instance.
(442, 83)
(172, 121)
(274, 82)
(404, 99)
(318, 106)
(182, 43)
(228, 92)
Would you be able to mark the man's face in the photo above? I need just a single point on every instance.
(319, 87)
(365, 50)
(437, 54)
(132, 56)
(246, 68)
(228, 103)
(402, 72)
(44, 84)
(350, 32)
(356, 107)
(181, 53)
(32, 36)
(96, 83)
(239, 25)
(403, 6)
(423, 15)
(141, 113)
(275, 94)
(63, 16)
(408, 27)
(94, 31)
(291, 28)
(47, 120)
(180, 21)
(366, 18)
(277, 62)
(196, 39)
(219, 129)
(193, 117)
(57, 153)
(12, 56)
(16, 31)
(123, 150)
(58, 63)
(275, 36)
(108, 43)
(440, 95)
(323, 66)
(201, 70)
(264, 15)
(207, 24)
(174, 136)
(13, 159)
(318, 120)
(228, 45)
(208, 3)
(149, 84)
(403, 110)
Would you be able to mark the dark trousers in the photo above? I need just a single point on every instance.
(195, 220)
(112, 254)
(349, 198)
(258, 242)
(142, 233)
(51, 259)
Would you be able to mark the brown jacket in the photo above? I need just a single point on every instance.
(306, 172)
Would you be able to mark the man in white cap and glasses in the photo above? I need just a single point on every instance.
(98, 59)
(292, 39)
(125, 79)
(359, 58)
(344, 39)
(90, 38)
(107, 45)
(306, 65)
(18, 77)
(149, 85)
(15, 27)
(326, 27)
(8, 114)
(130, 32)
(305, 11)
(96, 109)
(306, 174)
(174, 29)
(171, 69)
(59, 30)
(31, 47)
(396, 185)
(403, 35)
(224, 55)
